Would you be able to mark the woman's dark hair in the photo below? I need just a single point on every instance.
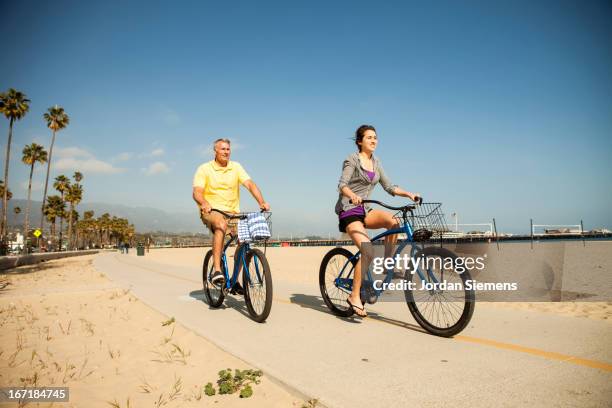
(360, 132)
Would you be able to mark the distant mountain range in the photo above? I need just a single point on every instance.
(145, 219)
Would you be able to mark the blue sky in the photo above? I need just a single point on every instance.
(495, 109)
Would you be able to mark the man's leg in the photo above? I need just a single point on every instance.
(218, 225)
(238, 289)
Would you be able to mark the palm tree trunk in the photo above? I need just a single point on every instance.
(70, 227)
(4, 227)
(53, 235)
(61, 226)
(42, 209)
(27, 214)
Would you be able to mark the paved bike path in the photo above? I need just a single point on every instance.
(504, 357)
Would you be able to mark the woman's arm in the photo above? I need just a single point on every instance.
(348, 168)
(347, 192)
(403, 193)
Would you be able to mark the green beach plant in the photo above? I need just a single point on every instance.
(209, 390)
(239, 380)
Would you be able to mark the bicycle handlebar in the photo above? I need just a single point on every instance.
(228, 215)
(231, 216)
(408, 207)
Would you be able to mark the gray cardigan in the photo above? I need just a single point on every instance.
(355, 177)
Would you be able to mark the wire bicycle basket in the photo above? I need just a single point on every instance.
(427, 221)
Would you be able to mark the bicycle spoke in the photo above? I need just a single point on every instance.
(336, 295)
(441, 308)
(256, 285)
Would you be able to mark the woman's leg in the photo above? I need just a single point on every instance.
(376, 219)
(358, 234)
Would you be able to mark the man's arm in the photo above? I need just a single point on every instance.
(198, 196)
(254, 190)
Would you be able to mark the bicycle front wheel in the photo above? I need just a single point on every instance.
(335, 280)
(214, 294)
(257, 282)
(442, 311)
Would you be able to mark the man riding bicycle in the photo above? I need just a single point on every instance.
(216, 184)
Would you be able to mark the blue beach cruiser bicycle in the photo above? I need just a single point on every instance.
(440, 312)
(256, 275)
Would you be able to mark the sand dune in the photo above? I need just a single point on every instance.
(62, 323)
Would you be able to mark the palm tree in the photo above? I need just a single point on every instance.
(32, 154)
(77, 196)
(75, 232)
(56, 119)
(9, 195)
(62, 184)
(86, 228)
(14, 105)
(78, 176)
(104, 222)
(54, 208)
(73, 196)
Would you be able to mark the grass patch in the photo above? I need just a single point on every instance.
(230, 382)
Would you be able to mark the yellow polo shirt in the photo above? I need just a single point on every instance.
(221, 184)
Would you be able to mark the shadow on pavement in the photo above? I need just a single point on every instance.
(317, 303)
(230, 301)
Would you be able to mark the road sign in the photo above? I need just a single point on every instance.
(37, 233)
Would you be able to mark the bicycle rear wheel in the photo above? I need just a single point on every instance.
(214, 294)
(257, 282)
(441, 312)
(333, 292)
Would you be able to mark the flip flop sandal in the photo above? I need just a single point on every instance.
(356, 309)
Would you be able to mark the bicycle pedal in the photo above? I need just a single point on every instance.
(368, 295)
(237, 290)
(371, 300)
(398, 275)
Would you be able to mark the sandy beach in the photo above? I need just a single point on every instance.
(65, 324)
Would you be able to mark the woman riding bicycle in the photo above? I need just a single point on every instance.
(361, 171)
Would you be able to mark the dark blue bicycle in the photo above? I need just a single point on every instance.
(440, 312)
(256, 275)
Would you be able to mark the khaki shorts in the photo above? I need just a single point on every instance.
(210, 218)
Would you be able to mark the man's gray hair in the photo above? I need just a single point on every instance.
(222, 140)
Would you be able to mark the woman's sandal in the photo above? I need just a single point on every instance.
(357, 309)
